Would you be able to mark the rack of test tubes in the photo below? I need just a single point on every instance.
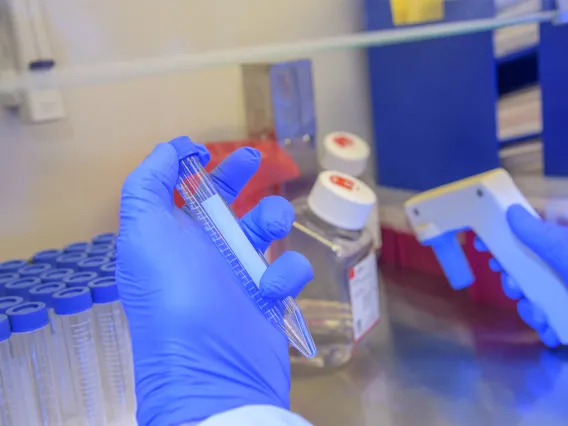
(64, 340)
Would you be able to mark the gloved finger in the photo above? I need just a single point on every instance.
(494, 265)
(547, 240)
(269, 220)
(286, 276)
(235, 171)
(549, 337)
(510, 287)
(479, 245)
(532, 315)
(152, 183)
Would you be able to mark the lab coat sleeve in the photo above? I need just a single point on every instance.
(255, 415)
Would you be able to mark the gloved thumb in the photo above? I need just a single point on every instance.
(152, 183)
(548, 240)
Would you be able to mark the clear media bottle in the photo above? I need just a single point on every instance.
(341, 304)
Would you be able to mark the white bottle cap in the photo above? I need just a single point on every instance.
(345, 152)
(341, 200)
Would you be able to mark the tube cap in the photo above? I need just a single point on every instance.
(47, 256)
(104, 290)
(12, 265)
(7, 276)
(112, 255)
(108, 269)
(106, 238)
(341, 200)
(5, 331)
(100, 250)
(21, 286)
(7, 302)
(77, 247)
(44, 293)
(55, 275)
(72, 300)
(79, 279)
(28, 317)
(92, 263)
(34, 269)
(345, 152)
(70, 260)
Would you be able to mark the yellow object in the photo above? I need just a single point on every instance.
(408, 12)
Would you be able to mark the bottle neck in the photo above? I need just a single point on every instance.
(332, 230)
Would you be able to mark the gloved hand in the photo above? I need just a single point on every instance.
(550, 242)
(200, 345)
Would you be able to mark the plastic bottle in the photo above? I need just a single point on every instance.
(341, 303)
(74, 319)
(33, 363)
(114, 349)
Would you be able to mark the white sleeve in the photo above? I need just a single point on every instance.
(256, 415)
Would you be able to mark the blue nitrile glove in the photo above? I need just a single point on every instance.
(550, 242)
(200, 345)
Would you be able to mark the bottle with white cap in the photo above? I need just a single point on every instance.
(348, 153)
(341, 304)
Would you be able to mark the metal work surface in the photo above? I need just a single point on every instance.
(435, 359)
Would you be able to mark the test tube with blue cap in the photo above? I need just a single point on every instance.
(55, 275)
(47, 256)
(7, 302)
(70, 260)
(21, 286)
(10, 407)
(44, 293)
(207, 207)
(79, 247)
(12, 265)
(92, 264)
(100, 250)
(33, 362)
(34, 269)
(79, 279)
(104, 239)
(73, 308)
(6, 277)
(114, 349)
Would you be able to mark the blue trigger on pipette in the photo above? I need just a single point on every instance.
(452, 259)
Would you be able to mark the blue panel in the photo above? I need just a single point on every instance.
(433, 102)
(554, 85)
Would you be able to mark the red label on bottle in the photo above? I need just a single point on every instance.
(343, 182)
(343, 141)
(352, 273)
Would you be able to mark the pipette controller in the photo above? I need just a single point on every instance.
(207, 207)
(480, 203)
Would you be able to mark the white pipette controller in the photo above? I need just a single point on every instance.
(480, 203)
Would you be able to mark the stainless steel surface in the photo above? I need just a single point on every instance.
(435, 359)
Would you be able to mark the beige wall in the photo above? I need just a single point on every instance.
(61, 181)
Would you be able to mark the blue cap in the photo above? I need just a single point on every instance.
(55, 275)
(92, 263)
(21, 286)
(8, 276)
(112, 255)
(7, 302)
(44, 293)
(72, 300)
(108, 269)
(12, 265)
(5, 331)
(106, 238)
(77, 247)
(104, 290)
(47, 256)
(100, 250)
(34, 269)
(79, 279)
(70, 260)
(28, 317)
